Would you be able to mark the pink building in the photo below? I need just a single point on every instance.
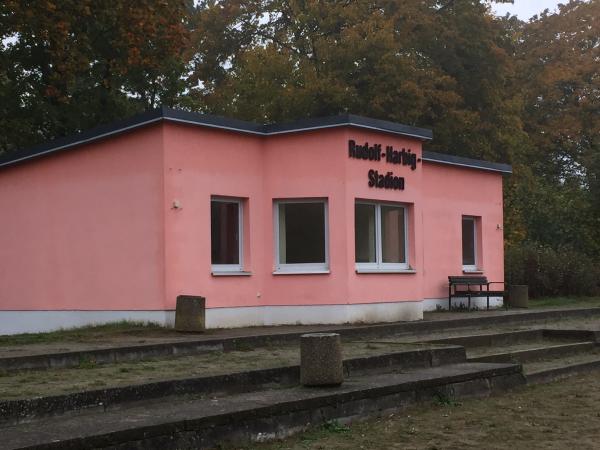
(333, 220)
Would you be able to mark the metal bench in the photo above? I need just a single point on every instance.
(472, 286)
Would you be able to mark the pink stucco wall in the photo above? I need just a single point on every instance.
(366, 288)
(94, 228)
(82, 229)
(203, 162)
(449, 193)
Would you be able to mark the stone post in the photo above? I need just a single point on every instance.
(190, 313)
(518, 296)
(321, 359)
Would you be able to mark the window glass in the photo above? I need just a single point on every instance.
(364, 236)
(225, 232)
(380, 236)
(301, 233)
(468, 241)
(392, 234)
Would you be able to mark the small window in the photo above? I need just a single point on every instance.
(469, 243)
(226, 235)
(301, 236)
(380, 236)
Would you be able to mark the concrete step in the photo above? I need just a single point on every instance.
(508, 338)
(545, 371)
(492, 339)
(535, 354)
(16, 411)
(195, 423)
(210, 343)
(558, 373)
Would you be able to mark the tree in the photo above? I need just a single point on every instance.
(441, 66)
(559, 79)
(73, 64)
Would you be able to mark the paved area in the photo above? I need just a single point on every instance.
(458, 315)
(162, 336)
(189, 413)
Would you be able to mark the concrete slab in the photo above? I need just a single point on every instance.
(51, 356)
(536, 354)
(15, 411)
(200, 423)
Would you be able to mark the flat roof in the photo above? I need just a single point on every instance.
(443, 158)
(241, 126)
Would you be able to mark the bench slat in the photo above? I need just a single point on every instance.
(478, 293)
(471, 286)
(467, 280)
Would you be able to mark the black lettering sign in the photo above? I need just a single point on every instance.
(387, 181)
(403, 157)
(371, 153)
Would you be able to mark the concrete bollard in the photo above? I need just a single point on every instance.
(190, 313)
(518, 296)
(321, 359)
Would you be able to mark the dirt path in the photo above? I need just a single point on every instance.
(560, 415)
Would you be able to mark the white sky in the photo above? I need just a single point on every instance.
(525, 9)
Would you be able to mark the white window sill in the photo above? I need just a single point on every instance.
(473, 271)
(301, 272)
(231, 274)
(399, 271)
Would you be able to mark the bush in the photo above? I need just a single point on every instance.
(552, 272)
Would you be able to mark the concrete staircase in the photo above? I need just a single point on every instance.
(274, 405)
(258, 405)
(545, 354)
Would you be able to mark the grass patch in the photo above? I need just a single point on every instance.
(241, 346)
(309, 438)
(87, 363)
(87, 333)
(443, 399)
(333, 426)
(564, 302)
(526, 418)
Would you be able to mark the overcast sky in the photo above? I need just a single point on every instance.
(525, 9)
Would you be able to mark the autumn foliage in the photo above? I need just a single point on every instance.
(526, 93)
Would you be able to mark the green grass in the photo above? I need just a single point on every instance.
(564, 302)
(86, 333)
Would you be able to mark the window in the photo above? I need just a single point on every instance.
(469, 243)
(226, 235)
(380, 236)
(301, 236)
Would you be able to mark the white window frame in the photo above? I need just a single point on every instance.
(300, 268)
(228, 268)
(470, 267)
(379, 265)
